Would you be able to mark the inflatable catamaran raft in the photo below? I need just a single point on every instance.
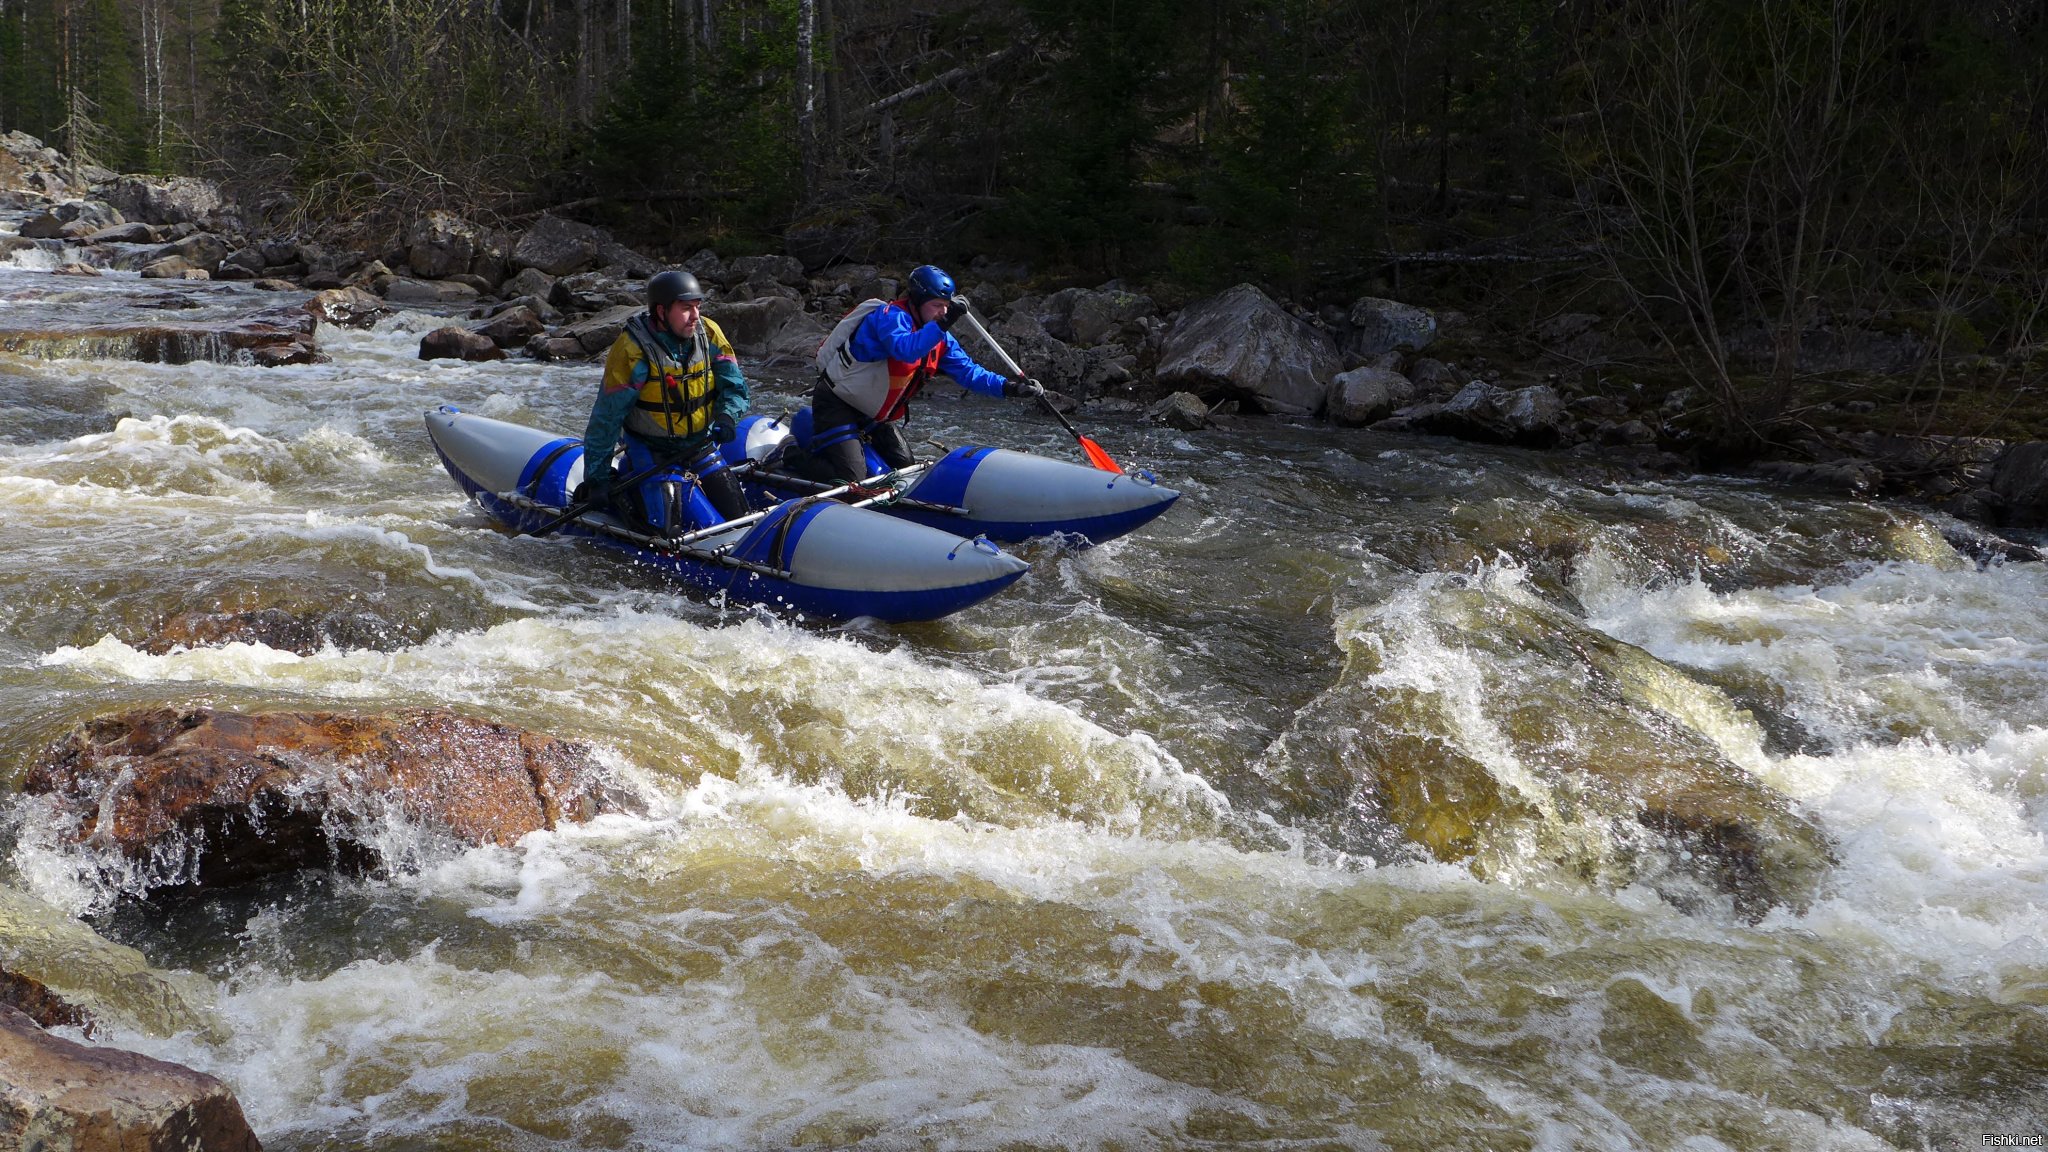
(1004, 495)
(815, 556)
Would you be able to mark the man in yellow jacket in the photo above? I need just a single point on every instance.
(673, 388)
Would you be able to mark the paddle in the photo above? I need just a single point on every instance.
(583, 505)
(1089, 448)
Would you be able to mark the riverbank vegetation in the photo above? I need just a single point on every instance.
(1766, 203)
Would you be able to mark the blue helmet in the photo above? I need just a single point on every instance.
(930, 282)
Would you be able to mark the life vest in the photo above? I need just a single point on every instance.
(676, 400)
(881, 390)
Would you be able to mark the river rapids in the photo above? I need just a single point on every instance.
(1096, 864)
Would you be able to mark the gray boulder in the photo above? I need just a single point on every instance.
(1363, 395)
(200, 250)
(1052, 362)
(133, 232)
(1241, 344)
(1533, 416)
(528, 282)
(751, 325)
(780, 269)
(594, 334)
(593, 292)
(511, 328)
(1100, 317)
(177, 200)
(1377, 326)
(406, 290)
(558, 247)
(798, 339)
(173, 268)
(440, 244)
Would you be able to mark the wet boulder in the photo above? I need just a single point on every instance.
(204, 797)
(2019, 478)
(798, 339)
(1483, 412)
(558, 247)
(62, 973)
(56, 1093)
(454, 342)
(286, 629)
(1182, 410)
(267, 337)
(200, 249)
(347, 308)
(41, 226)
(1375, 327)
(1242, 345)
(173, 268)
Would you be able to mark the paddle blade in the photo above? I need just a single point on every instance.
(1096, 455)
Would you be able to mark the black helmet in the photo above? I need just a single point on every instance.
(671, 286)
(929, 282)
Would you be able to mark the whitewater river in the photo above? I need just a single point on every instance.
(1097, 864)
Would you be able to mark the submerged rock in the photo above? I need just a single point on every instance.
(347, 307)
(58, 1094)
(204, 797)
(1552, 747)
(61, 972)
(270, 337)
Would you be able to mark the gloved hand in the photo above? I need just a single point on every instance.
(1023, 387)
(955, 309)
(722, 428)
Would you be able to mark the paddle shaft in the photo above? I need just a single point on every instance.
(582, 506)
(975, 323)
(737, 521)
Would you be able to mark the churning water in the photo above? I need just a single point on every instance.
(1101, 863)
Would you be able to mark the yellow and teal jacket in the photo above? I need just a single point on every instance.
(664, 392)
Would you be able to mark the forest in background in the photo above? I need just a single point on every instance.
(1736, 178)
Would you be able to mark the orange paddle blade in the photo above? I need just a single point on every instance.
(1096, 455)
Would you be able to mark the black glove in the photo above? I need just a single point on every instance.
(1023, 387)
(955, 309)
(722, 428)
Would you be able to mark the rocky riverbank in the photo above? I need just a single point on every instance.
(557, 289)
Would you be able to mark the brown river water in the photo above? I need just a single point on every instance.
(1093, 865)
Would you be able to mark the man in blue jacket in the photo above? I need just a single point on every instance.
(878, 358)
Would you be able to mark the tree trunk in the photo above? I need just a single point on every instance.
(806, 95)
